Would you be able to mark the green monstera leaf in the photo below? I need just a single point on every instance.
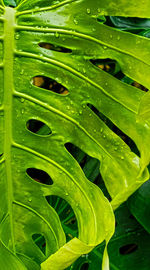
(128, 248)
(49, 80)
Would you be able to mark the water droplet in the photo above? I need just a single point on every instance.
(84, 106)
(101, 130)
(17, 36)
(122, 157)
(104, 47)
(111, 36)
(66, 194)
(22, 100)
(104, 136)
(90, 115)
(68, 107)
(22, 111)
(80, 112)
(115, 148)
(57, 34)
(118, 38)
(30, 199)
(88, 11)
(22, 71)
(75, 21)
(94, 130)
(138, 42)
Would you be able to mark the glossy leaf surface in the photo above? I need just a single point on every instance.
(139, 204)
(44, 39)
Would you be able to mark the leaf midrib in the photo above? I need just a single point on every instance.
(9, 23)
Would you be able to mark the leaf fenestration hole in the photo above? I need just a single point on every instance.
(49, 84)
(116, 130)
(38, 127)
(128, 249)
(89, 165)
(53, 47)
(39, 176)
(66, 215)
(40, 241)
(84, 266)
(108, 65)
(112, 67)
(140, 86)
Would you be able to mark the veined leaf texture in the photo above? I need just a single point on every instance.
(45, 42)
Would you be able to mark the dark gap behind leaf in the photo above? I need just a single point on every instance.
(38, 127)
(84, 266)
(53, 47)
(113, 68)
(116, 130)
(89, 165)
(49, 84)
(108, 65)
(40, 241)
(128, 249)
(39, 176)
(66, 215)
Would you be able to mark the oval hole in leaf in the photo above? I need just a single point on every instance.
(108, 65)
(53, 47)
(66, 215)
(116, 130)
(84, 266)
(112, 67)
(49, 84)
(39, 176)
(38, 127)
(40, 241)
(128, 249)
